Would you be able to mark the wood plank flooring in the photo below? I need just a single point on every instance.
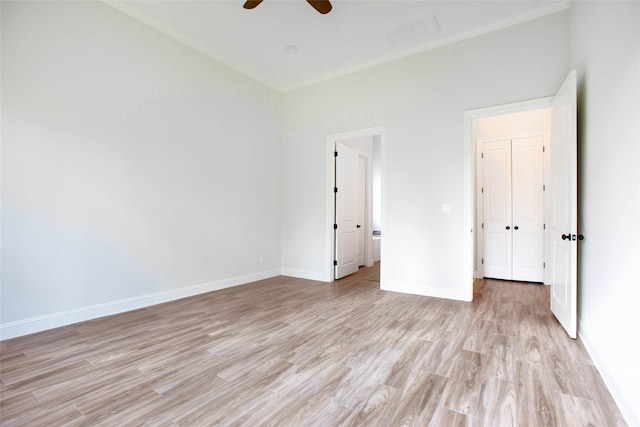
(292, 352)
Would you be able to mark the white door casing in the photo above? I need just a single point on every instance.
(496, 192)
(346, 210)
(528, 209)
(564, 217)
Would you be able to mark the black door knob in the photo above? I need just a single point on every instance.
(566, 237)
(580, 237)
(508, 228)
(358, 226)
(515, 228)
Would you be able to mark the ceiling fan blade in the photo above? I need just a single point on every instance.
(322, 6)
(250, 4)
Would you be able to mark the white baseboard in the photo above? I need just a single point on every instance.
(302, 274)
(630, 411)
(428, 291)
(63, 318)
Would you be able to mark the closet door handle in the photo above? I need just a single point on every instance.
(566, 237)
(508, 228)
(515, 228)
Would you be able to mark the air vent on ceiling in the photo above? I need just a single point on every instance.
(414, 30)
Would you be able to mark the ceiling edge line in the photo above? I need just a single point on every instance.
(496, 26)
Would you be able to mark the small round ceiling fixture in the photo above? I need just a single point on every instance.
(291, 48)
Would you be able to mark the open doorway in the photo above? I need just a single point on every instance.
(472, 133)
(361, 238)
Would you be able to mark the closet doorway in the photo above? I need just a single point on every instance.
(510, 195)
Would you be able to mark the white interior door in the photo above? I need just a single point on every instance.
(564, 218)
(346, 205)
(362, 191)
(496, 192)
(528, 209)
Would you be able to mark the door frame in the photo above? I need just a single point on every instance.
(470, 155)
(380, 131)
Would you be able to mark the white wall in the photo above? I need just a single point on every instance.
(512, 125)
(363, 144)
(134, 169)
(605, 50)
(421, 99)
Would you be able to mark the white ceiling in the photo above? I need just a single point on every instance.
(355, 35)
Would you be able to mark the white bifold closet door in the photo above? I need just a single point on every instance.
(513, 215)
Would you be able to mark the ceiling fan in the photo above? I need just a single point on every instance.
(322, 6)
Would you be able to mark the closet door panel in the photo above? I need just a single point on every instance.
(528, 209)
(496, 183)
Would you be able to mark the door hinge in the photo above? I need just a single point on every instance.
(483, 225)
(335, 226)
(544, 265)
(544, 226)
(335, 189)
(335, 154)
(544, 187)
(482, 261)
(335, 262)
(482, 190)
(543, 148)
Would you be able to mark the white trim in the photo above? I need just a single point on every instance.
(629, 410)
(330, 202)
(68, 317)
(303, 274)
(428, 291)
(470, 173)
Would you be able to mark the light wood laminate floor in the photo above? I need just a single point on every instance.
(292, 352)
